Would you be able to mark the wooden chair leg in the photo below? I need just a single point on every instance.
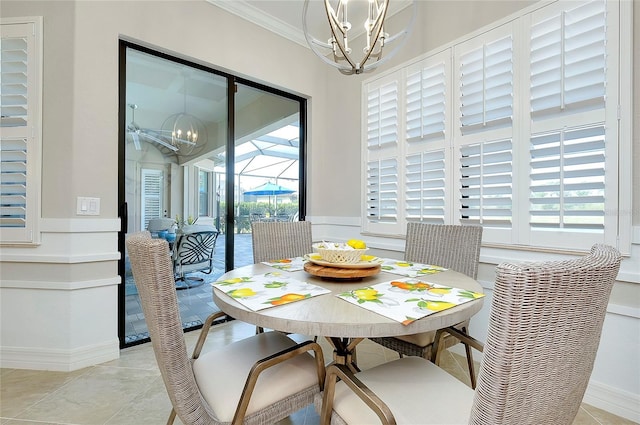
(467, 349)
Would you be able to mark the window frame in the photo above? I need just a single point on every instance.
(31, 132)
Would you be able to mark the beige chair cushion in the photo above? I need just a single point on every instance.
(421, 339)
(222, 386)
(434, 390)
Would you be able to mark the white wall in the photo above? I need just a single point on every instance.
(58, 302)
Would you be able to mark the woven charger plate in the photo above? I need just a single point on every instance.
(340, 273)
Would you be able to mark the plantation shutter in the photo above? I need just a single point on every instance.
(152, 187)
(425, 100)
(568, 179)
(568, 61)
(381, 179)
(382, 115)
(20, 140)
(486, 86)
(425, 187)
(486, 185)
(382, 191)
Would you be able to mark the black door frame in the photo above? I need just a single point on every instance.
(232, 80)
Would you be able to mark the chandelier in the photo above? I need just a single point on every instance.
(370, 16)
(185, 130)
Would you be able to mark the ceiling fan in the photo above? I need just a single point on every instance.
(136, 133)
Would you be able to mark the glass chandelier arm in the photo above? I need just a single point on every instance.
(378, 27)
(340, 40)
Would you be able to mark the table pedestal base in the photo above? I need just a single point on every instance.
(344, 351)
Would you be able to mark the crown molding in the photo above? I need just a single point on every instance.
(258, 17)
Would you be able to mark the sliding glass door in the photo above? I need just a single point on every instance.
(201, 150)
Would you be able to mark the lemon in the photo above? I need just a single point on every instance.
(242, 293)
(366, 294)
(440, 291)
(439, 305)
(356, 244)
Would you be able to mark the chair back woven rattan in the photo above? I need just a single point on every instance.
(455, 247)
(277, 240)
(153, 274)
(544, 331)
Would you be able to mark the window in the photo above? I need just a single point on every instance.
(203, 193)
(514, 128)
(21, 123)
(152, 196)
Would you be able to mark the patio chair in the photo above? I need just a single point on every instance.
(261, 379)
(544, 330)
(277, 240)
(193, 252)
(455, 247)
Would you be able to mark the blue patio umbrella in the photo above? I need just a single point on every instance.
(269, 189)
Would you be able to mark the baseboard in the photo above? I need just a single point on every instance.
(613, 400)
(58, 360)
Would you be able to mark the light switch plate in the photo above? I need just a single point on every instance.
(88, 206)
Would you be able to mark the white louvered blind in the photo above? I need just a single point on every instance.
(568, 61)
(20, 140)
(382, 191)
(425, 101)
(425, 187)
(486, 183)
(152, 186)
(568, 179)
(382, 115)
(486, 86)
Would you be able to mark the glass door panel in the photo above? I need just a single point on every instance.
(267, 163)
(175, 135)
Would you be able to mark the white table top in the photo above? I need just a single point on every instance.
(329, 316)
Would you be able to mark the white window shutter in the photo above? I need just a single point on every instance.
(568, 179)
(486, 183)
(382, 191)
(382, 115)
(425, 187)
(425, 101)
(152, 193)
(568, 61)
(20, 123)
(486, 86)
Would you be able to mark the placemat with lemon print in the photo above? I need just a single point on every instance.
(407, 300)
(407, 268)
(287, 264)
(267, 290)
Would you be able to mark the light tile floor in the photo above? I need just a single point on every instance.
(129, 390)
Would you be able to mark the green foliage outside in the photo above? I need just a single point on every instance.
(248, 211)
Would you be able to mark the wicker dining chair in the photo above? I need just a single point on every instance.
(455, 247)
(544, 330)
(277, 240)
(258, 380)
(274, 240)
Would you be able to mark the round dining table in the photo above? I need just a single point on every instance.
(344, 324)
